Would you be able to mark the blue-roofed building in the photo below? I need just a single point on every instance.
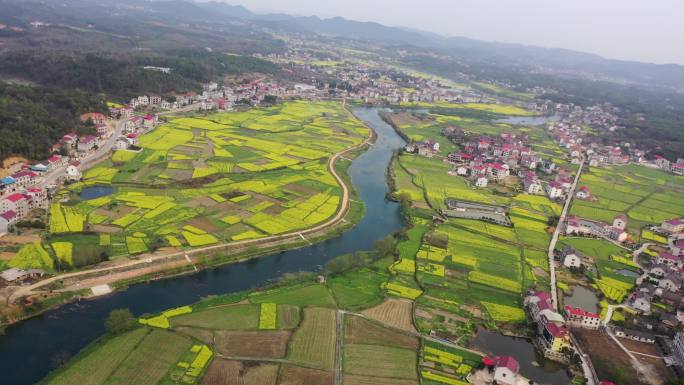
(6, 182)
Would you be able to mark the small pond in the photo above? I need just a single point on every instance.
(94, 192)
(627, 273)
(532, 364)
(582, 298)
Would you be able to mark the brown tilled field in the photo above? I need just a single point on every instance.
(296, 375)
(393, 312)
(361, 331)
(264, 344)
(610, 362)
(365, 380)
(225, 372)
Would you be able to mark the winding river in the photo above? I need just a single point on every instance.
(31, 349)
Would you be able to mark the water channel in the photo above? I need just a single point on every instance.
(31, 349)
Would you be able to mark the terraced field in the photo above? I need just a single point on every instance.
(212, 179)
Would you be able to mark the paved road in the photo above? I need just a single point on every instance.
(147, 260)
(637, 252)
(554, 239)
(102, 151)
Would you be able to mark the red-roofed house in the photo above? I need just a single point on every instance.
(669, 259)
(56, 161)
(498, 171)
(553, 338)
(148, 121)
(25, 179)
(580, 318)
(19, 203)
(38, 196)
(554, 190)
(7, 219)
(101, 129)
(583, 193)
(87, 143)
(673, 225)
(505, 369)
(132, 139)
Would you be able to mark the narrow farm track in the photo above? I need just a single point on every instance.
(339, 336)
(147, 260)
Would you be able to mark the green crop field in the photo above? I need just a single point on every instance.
(313, 343)
(236, 317)
(94, 365)
(215, 178)
(645, 195)
(379, 361)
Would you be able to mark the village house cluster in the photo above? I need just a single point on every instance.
(27, 187)
(572, 132)
(663, 281)
(376, 84)
(616, 231)
(488, 159)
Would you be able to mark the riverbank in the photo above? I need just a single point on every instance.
(168, 264)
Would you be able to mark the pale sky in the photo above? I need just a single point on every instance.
(641, 30)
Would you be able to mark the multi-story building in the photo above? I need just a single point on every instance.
(580, 318)
(678, 346)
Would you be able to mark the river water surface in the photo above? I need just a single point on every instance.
(30, 349)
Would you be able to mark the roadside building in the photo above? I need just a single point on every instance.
(87, 143)
(642, 302)
(18, 276)
(554, 190)
(673, 226)
(73, 171)
(580, 318)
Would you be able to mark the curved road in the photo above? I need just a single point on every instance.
(26, 290)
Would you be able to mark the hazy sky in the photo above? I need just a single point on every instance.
(643, 30)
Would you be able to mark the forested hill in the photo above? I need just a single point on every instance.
(32, 119)
(121, 75)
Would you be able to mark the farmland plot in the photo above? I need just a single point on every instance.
(244, 161)
(314, 342)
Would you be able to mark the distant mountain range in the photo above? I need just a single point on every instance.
(551, 60)
(126, 17)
